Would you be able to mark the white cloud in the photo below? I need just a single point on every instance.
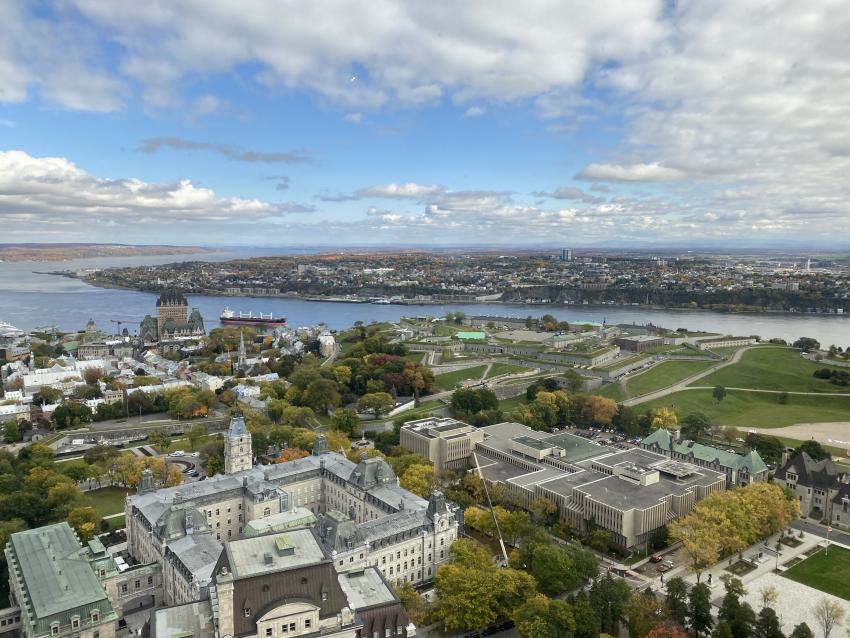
(475, 111)
(353, 118)
(409, 190)
(39, 191)
(638, 172)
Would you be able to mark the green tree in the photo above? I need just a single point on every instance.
(71, 414)
(161, 439)
(700, 619)
(677, 600)
(379, 403)
(345, 420)
(802, 631)
(540, 617)
(556, 569)
(695, 426)
(813, 449)
(767, 624)
(196, 435)
(719, 393)
(609, 598)
(12, 432)
(47, 396)
(321, 395)
(586, 617)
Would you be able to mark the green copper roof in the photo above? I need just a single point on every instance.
(751, 461)
(477, 336)
(57, 577)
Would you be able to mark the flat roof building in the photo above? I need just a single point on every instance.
(446, 442)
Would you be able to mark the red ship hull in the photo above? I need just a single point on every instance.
(254, 321)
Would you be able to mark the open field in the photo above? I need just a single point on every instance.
(449, 380)
(664, 374)
(611, 391)
(416, 357)
(772, 369)
(826, 571)
(505, 368)
(506, 405)
(106, 500)
(755, 409)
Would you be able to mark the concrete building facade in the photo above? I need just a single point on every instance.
(446, 442)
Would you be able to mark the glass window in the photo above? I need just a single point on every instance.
(268, 631)
(247, 612)
(307, 622)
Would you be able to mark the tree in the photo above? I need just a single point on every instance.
(699, 539)
(574, 380)
(71, 414)
(161, 439)
(419, 479)
(662, 418)
(677, 600)
(586, 618)
(196, 435)
(767, 624)
(695, 426)
(85, 521)
(321, 395)
(540, 617)
(719, 393)
(600, 410)
(379, 403)
(813, 449)
(802, 631)
(769, 595)
(609, 598)
(667, 629)
(345, 420)
(806, 344)
(12, 432)
(643, 612)
(699, 609)
(47, 396)
(828, 614)
(417, 607)
(556, 569)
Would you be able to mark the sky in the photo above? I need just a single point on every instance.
(270, 122)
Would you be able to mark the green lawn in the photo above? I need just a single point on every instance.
(106, 500)
(664, 374)
(119, 522)
(755, 409)
(416, 357)
(772, 369)
(506, 405)
(611, 391)
(826, 571)
(505, 368)
(449, 380)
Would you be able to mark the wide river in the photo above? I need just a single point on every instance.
(29, 301)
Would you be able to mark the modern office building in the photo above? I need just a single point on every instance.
(446, 442)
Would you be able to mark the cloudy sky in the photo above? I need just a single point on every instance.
(482, 122)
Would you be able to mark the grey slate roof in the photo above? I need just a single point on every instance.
(198, 553)
(822, 474)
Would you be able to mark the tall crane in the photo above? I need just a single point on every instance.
(120, 322)
(492, 511)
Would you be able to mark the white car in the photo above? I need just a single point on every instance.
(178, 453)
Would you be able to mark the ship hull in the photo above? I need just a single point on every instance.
(253, 321)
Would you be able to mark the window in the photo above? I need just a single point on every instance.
(95, 616)
(307, 622)
(267, 511)
(387, 632)
(216, 512)
(150, 580)
(292, 626)
(324, 595)
(123, 588)
(284, 628)
(54, 629)
(247, 612)
(75, 622)
(268, 631)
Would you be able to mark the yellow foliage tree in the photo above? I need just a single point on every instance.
(662, 418)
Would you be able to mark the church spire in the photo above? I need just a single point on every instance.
(242, 362)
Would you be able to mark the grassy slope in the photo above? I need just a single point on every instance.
(611, 391)
(505, 368)
(664, 374)
(449, 380)
(824, 571)
(755, 409)
(772, 369)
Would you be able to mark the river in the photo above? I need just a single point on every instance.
(29, 301)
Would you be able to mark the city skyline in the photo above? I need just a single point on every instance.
(648, 124)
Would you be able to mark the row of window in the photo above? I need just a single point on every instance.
(137, 584)
(75, 623)
(289, 628)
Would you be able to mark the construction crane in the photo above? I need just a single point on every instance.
(120, 322)
(492, 511)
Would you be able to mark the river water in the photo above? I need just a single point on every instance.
(29, 301)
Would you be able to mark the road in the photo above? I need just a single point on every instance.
(682, 384)
(835, 536)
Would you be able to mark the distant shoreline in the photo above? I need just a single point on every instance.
(425, 304)
(18, 253)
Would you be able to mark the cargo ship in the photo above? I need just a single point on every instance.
(250, 319)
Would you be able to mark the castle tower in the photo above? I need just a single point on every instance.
(172, 306)
(237, 446)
